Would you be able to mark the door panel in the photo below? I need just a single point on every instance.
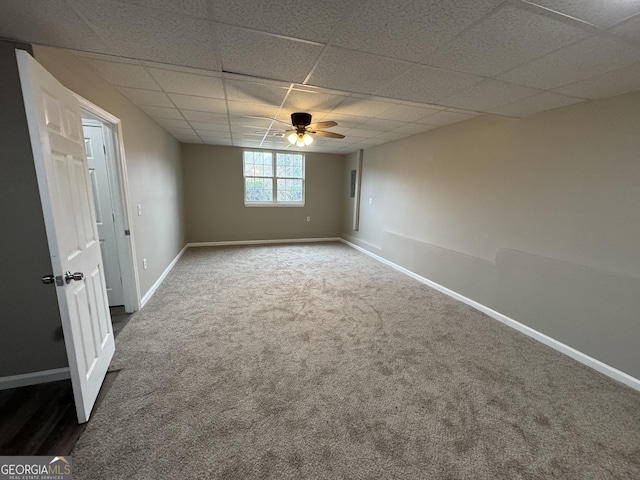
(105, 219)
(53, 115)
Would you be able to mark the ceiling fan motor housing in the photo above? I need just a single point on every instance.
(300, 119)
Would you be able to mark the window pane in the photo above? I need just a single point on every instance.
(289, 190)
(289, 165)
(258, 164)
(258, 189)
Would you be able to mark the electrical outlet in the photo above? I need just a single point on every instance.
(308, 219)
(139, 210)
(144, 263)
(370, 200)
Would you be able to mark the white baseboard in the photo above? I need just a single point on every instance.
(583, 358)
(147, 296)
(260, 242)
(34, 378)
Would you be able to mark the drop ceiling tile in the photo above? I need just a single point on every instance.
(379, 124)
(192, 115)
(180, 130)
(194, 8)
(124, 74)
(187, 83)
(179, 68)
(209, 134)
(253, 122)
(398, 134)
(535, 104)
(590, 57)
(248, 130)
(208, 137)
(407, 29)
(630, 28)
(353, 71)
(487, 94)
(254, 109)
(261, 55)
(415, 128)
(432, 106)
(346, 121)
(153, 34)
(445, 118)
(306, 19)
(106, 58)
(219, 142)
(616, 82)
(48, 23)
(407, 113)
(361, 133)
(162, 112)
(150, 98)
(173, 123)
(210, 127)
(250, 92)
(510, 37)
(597, 12)
(302, 100)
(428, 85)
(362, 107)
(187, 138)
(202, 104)
(251, 140)
(376, 141)
(461, 110)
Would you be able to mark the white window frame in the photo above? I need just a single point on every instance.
(274, 180)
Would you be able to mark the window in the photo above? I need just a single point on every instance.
(269, 183)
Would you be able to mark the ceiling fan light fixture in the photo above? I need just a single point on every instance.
(293, 138)
(308, 139)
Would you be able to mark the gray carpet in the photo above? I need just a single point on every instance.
(317, 362)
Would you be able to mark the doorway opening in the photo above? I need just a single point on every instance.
(107, 169)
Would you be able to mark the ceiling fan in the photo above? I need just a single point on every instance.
(302, 131)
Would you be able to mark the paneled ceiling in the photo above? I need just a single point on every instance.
(231, 72)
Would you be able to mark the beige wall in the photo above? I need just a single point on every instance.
(537, 218)
(153, 164)
(214, 199)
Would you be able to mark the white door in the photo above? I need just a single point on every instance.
(53, 115)
(105, 218)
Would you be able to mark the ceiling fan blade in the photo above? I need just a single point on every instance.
(320, 133)
(328, 124)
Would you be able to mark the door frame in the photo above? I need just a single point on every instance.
(117, 168)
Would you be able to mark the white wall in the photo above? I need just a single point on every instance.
(537, 218)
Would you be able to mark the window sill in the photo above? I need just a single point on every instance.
(273, 204)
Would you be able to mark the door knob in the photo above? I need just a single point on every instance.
(48, 279)
(68, 276)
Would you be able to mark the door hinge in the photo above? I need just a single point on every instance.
(104, 149)
(127, 233)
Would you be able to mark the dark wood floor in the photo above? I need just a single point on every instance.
(41, 419)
